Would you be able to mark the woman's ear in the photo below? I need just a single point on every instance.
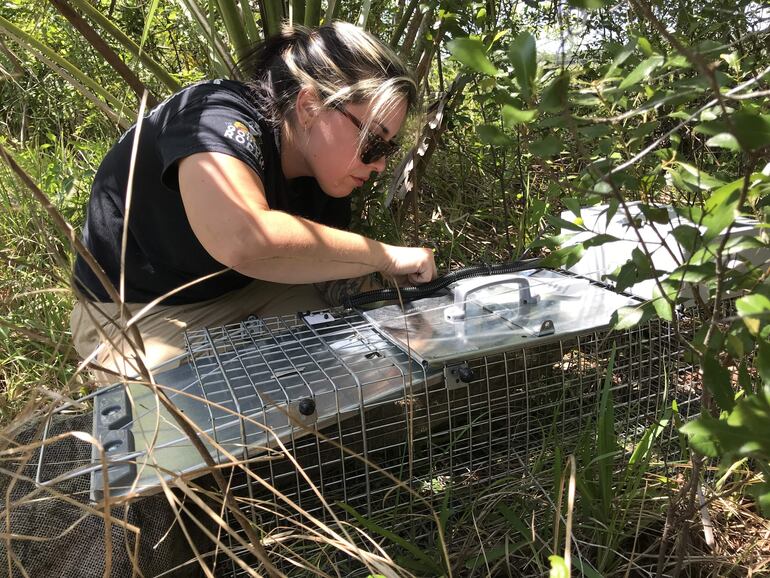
(307, 106)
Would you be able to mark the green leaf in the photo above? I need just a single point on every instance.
(499, 35)
(744, 242)
(559, 567)
(761, 493)
(558, 222)
(606, 440)
(733, 60)
(642, 71)
(523, 56)
(752, 130)
(513, 116)
(748, 423)
(573, 205)
(744, 378)
(547, 147)
(372, 526)
(655, 214)
(720, 209)
(492, 135)
(662, 306)
(598, 240)
(717, 380)
(565, 257)
(752, 305)
(680, 115)
(724, 140)
(603, 188)
(628, 317)
(643, 264)
(643, 448)
(471, 52)
(694, 273)
(620, 58)
(697, 177)
(515, 521)
(148, 22)
(595, 131)
(707, 435)
(644, 45)
(711, 128)
(625, 276)
(678, 61)
(555, 95)
(688, 237)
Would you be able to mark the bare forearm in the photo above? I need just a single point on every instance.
(225, 204)
(337, 292)
(288, 249)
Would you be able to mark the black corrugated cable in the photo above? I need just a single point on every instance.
(418, 292)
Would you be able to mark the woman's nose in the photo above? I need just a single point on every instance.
(379, 165)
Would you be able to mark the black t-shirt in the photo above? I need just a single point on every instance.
(162, 252)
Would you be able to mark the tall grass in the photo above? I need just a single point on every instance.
(36, 355)
(632, 513)
(629, 496)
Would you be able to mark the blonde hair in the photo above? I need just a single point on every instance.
(339, 61)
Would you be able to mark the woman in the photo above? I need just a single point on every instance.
(240, 196)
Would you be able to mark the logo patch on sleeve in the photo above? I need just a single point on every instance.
(246, 136)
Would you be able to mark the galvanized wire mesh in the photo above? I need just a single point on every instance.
(386, 438)
(443, 438)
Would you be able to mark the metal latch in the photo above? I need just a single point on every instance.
(546, 328)
(318, 318)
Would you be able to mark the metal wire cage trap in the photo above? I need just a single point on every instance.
(389, 412)
(490, 418)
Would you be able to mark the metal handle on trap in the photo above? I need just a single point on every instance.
(456, 311)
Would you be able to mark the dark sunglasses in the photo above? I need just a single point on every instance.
(375, 147)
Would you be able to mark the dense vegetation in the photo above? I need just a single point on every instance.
(532, 108)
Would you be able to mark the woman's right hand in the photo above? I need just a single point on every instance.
(416, 264)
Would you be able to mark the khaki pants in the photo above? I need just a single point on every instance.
(97, 327)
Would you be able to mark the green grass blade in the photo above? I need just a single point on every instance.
(272, 14)
(606, 442)
(250, 22)
(331, 11)
(372, 526)
(148, 23)
(223, 60)
(89, 88)
(92, 36)
(234, 25)
(165, 77)
(364, 15)
(586, 569)
(298, 11)
(313, 13)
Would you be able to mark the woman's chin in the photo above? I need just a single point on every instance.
(339, 191)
